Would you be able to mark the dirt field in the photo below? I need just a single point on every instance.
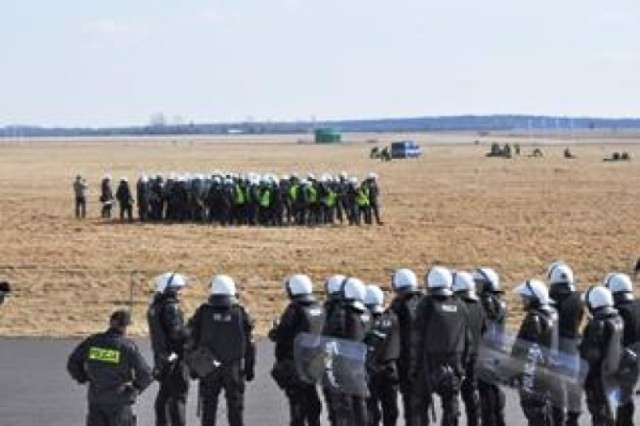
(453, 207)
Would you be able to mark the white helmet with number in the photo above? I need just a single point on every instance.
(374, 299)
(333, 284)
(534, 291)
(439, 280)
(598, 296)
(222, 285)
(404, 279)
(170, 280)
(298, 285)
(488, 279)
(618, 283)
(463, 283)
(354, 291)
(560, 273)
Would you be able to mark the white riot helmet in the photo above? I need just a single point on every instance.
(222, 285)
(372, 176)
(464, 284)
(170, 281)
(354, 291)
(333, 284)
(618, 283)
(598, 297)
(534, 293)
(374, 299)
(404, 280)
(439, 280)
(487, 280)
(298, 285)
(559, 273)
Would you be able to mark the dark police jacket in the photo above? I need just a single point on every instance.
(383, 345)
(405, 307)
(350, 321)
(601, 345)
(477, 323)
(166, 327)
(302, 315)
(225, 328)
(570, 311)
(629, 309)
(113, 366)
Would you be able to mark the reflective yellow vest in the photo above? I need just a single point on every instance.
(265, 198)
(239, 199)
(362, 197)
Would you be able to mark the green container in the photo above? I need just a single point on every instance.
(327, 136)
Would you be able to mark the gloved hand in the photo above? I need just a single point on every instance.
(249, 374)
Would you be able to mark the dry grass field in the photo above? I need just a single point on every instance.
(453, 206)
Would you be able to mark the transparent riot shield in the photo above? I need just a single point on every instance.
(338, 364)
(556, 376)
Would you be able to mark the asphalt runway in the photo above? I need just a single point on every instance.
(35, 389)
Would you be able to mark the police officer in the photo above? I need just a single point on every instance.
(125, 199)
(224, 328)
(303, 315)
(351, 321)
(374, 196)
(333, 300)
(80, 189)
(115, 370)
(628, 307)
(407, 297)
(464, 288)
(439, 347)
(168, 339)
(536, 342)
(383, 342)
(106, 196)
(492, 399)
(601, 348)
(143, 197)
(570, 309)
(5, 290)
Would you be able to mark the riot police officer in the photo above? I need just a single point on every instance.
(407, 297)
(5, 290)
(464, 288)
(223, 329)
(303, 315)
(628, 307)
(333, 300)
(601, 348)
(492, 399)
(570, 309)
(115, 370)
(351, 321)
(439, 347)
(383, 342)
(125, 199)
(536, 340)
(168, 339)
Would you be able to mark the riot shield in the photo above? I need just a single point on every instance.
(537, 372)
(338, 364)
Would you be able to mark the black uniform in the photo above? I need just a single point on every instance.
(168, 340)
(225, 328)
(537, 337)
(404, 306)
(125, 200)
(439, 351)
(477, 327)
(143, 196)
(629, 309)
(303, 315)
(383, 342)
(492, 400)
(570, 313)
(332, 306)
(116, 372)
(351, 321)
(374, 195)
(106, 198)
(601, 348)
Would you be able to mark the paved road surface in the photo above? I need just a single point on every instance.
(35, 389)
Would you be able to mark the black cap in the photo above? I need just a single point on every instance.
(120, 318)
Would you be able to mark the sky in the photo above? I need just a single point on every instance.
(122, 62)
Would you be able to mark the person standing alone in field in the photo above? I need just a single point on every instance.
(80, 189)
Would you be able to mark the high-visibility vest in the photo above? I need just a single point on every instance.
(312, 195)
(330, 198)
(362, 197)
(265, 198)
(239, 197)
(293, 192)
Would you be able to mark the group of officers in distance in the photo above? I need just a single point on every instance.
(234, 199)
(423, 344)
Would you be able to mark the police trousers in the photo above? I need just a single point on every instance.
(597, 403)
(304, 404)
(170, 405)
(110, 416)
(382, 404)
(229, 378)
(491, 404)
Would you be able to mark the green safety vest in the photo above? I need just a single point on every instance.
(330, 199)
(313, 195)
(240, 197)
(293, 192)
(265, 198)
(362, 197)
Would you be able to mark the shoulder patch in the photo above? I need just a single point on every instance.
(450, 308)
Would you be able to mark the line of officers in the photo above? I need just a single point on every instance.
(251, 199)
(422, 345)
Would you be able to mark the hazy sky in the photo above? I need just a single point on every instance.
(118, 62)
